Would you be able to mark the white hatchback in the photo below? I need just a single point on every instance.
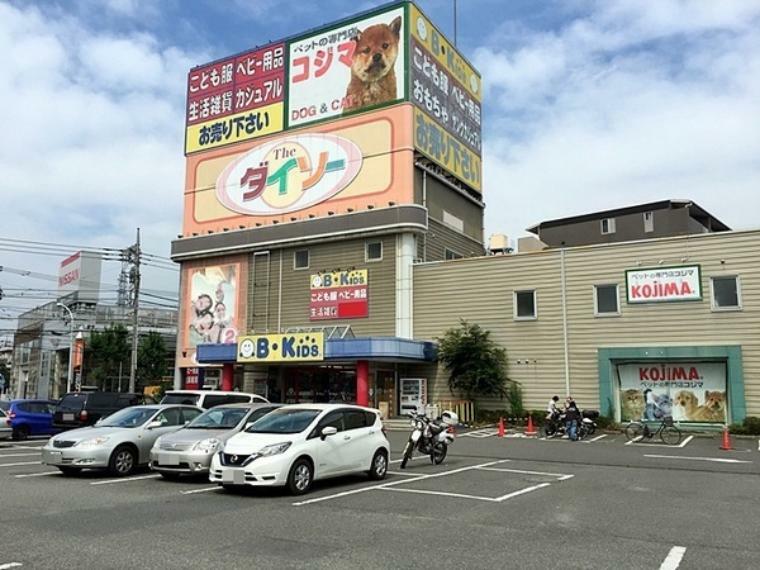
(295, 445)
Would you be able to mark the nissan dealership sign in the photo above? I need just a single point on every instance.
(79, 277)
(663, 284)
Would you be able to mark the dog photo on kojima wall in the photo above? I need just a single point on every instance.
(343, 70)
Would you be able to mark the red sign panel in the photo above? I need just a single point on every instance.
(251, 80)
(339, 295)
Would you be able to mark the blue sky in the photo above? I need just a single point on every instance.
(588, 105)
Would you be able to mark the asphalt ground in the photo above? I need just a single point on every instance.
(511, 502)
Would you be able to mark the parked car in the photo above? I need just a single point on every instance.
(295, 445)
(78, 409)
(209, 398)
(119, 443)
(5, 429)
(31, 417)
(189, 450)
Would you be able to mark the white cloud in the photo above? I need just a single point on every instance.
(636, 101)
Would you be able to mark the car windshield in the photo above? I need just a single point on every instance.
(181, 398)
(219, 418)
(284, 421)
(128, 418)
(72, 402)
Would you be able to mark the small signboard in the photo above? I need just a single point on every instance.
(664, 284)
(339, 295)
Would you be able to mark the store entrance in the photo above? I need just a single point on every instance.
(318, 384)
(384, 393)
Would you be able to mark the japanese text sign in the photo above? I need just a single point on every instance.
(346, 69)
(339, 295)
(438, 145)
(236, 99)
(664, 284)
(295, 347)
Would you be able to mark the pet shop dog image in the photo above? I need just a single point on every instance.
(713, 410)
(373, 78)
(633, 405)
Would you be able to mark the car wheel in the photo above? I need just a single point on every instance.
(171, 476)
(69, 471)
(123, 462)
(379, 468)
(21, 433)
(300, 477)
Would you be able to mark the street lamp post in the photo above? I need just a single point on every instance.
(71, 344)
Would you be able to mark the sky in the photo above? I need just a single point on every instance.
(588, 105)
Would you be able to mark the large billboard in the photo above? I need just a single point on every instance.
(214, 310)
(361, 160)
(79, 277)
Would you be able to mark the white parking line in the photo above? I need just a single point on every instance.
(682, 444)
(8, 565)
(758, 444)
(126, 479)
(521, 492)
(673, 559)
(560, 476)
(20, 464)
(18, 455)
(714, 459)
(442, 493)
(393, 483)
(412, 459)
(204, 490)
(24, 476)
(593, 439)
(402, 474)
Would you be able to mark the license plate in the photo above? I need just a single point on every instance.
(234, 476)
(68, 417)
(168, 459)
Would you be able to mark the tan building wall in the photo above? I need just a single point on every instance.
(265, 287)
(481, 290)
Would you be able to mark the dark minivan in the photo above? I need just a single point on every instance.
(79, 409)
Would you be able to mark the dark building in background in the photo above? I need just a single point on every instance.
(645, 221)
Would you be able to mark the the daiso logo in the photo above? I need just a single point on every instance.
(289, 174)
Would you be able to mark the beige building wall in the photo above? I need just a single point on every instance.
(480, 290)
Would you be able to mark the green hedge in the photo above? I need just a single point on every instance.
(750, 426)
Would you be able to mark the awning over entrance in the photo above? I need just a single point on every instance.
(391, 349)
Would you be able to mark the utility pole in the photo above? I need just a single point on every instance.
(134, 254)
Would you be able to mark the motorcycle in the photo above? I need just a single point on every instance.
(430, 437)
(555, 424)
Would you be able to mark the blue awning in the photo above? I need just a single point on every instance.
(388, 349)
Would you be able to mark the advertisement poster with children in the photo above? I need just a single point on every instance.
(687, 391)
(213, 302)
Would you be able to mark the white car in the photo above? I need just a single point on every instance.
(295, 445)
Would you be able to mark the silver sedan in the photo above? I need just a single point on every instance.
(189, 450)
(119, 443)
(5, 425)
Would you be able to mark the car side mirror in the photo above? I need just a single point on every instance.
(328, 431)
(154, 424)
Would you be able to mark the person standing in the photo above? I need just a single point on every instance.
(572, 417)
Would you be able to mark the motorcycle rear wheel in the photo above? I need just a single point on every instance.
(408, 450)
(439, 453)
(550, 429)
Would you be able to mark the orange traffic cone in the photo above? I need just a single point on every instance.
(726, 444)
(531, 430)
(501, 427)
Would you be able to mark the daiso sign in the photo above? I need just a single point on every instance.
(664, 284)
(289, 174)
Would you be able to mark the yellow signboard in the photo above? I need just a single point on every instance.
(234, 128)
(285, 347)
(336, 279)
(438, 145)
(446, 54)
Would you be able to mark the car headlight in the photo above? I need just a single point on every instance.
(209, 445)
(274, 449)
(92, 442)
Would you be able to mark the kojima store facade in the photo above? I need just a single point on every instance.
(310, 195)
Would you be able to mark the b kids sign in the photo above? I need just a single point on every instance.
(296, 347)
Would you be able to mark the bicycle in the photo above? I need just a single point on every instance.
(669, 434)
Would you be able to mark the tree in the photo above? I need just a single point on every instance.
(108, 349)
(476, 364)
(151, 359)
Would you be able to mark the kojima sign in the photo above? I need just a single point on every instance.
(664, 284)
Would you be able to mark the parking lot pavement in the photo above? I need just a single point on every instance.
(506, 502)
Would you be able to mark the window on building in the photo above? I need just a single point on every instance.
(373, 251)
(525, 305)
(726, 293)
(648, 222)
(606, 300)
(608, 225)
(451, 254)
(301, 259)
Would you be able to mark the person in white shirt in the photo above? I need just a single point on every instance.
(551, 409)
